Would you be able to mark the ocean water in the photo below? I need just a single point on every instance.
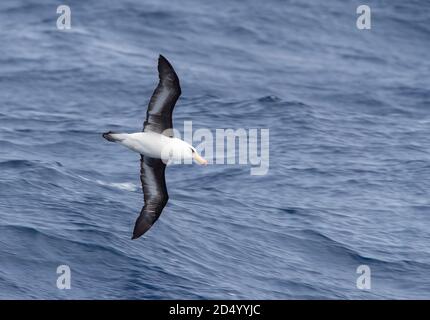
(349, 117)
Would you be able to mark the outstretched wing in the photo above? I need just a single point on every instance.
(159, 120)
(154, 194)
(160, 108)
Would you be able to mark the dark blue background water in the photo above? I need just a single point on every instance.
(349, 119)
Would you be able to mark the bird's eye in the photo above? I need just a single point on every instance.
(192, 150)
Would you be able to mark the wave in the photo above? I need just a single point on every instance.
(127, 186)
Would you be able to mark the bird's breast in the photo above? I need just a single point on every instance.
(148, 144)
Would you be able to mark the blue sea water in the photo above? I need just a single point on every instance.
(349, 117)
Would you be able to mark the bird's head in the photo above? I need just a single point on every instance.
(178, 151)
(197, 157)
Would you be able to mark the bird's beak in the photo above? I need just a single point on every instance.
(199, 159)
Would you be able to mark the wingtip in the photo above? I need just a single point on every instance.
(167, 73)
(163, 62)
(137, 234)
(141, 226)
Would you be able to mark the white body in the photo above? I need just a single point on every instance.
(158, 146)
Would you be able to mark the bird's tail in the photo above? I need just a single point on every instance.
(112, 136)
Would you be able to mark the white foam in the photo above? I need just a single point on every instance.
(127, 186)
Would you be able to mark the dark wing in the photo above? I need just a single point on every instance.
(154, 194)
(160, 108)
(158, 119)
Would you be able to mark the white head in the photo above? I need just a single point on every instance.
(197, 157)
(177, 151)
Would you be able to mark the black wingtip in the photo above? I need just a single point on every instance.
(165, 69)
(141, 226)
(163, 62)
(137, 235)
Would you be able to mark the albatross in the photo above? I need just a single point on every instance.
(157, 146)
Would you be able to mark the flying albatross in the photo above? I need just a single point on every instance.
(157, 146)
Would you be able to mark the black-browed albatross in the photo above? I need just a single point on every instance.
(157, 146)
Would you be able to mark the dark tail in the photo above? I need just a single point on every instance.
(108, 136)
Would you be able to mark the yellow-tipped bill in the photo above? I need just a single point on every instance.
(199, 159)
